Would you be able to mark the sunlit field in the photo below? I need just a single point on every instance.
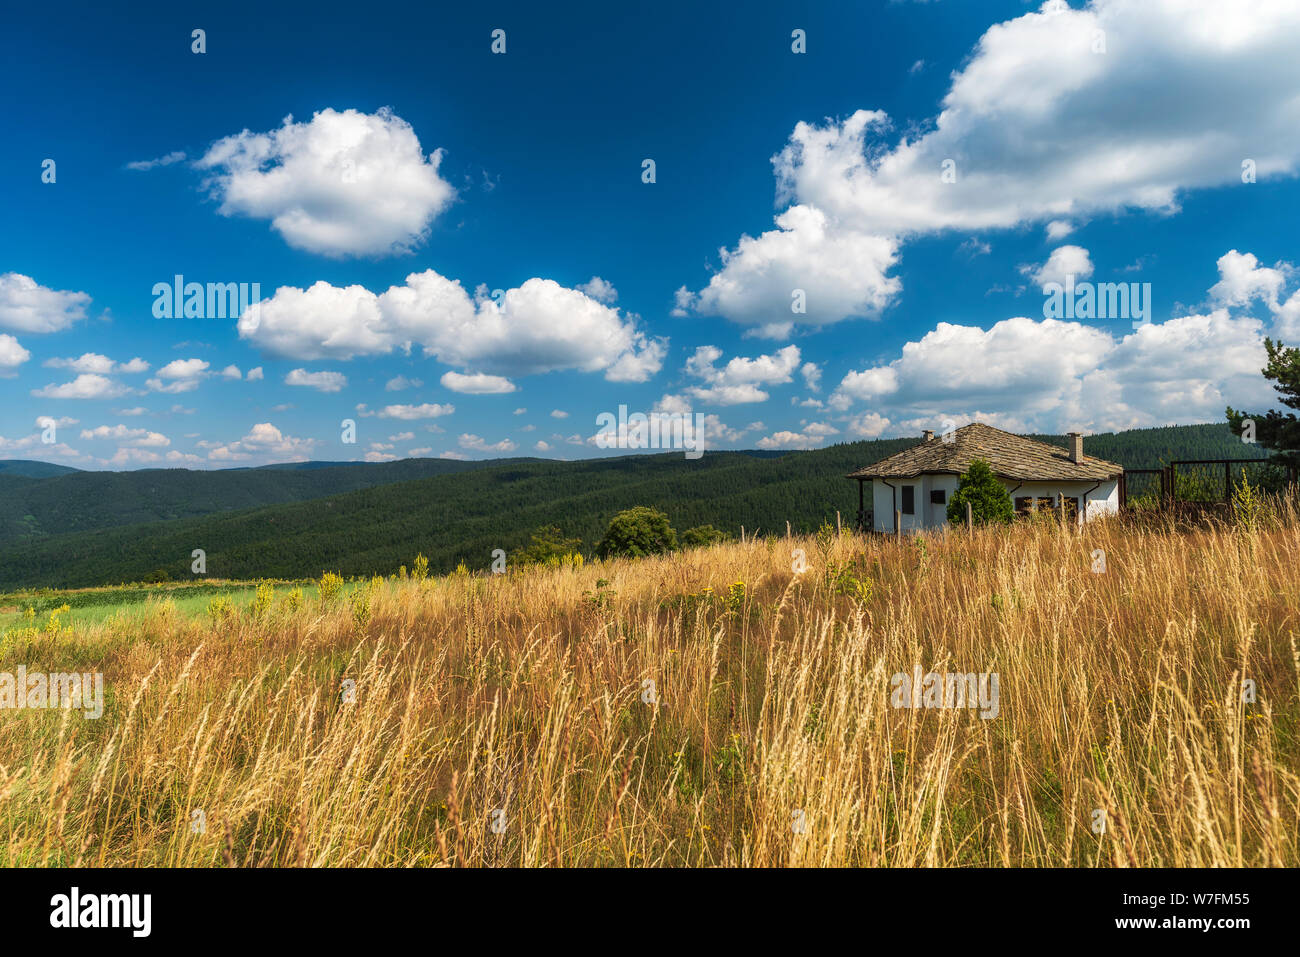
(712, 707)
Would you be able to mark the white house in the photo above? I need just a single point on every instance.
(918, 482)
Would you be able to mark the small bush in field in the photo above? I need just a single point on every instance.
(220, 609)
(262, 601)
(989, 501)
(702, 536)
(361, 607)
(329, 586)
(636, 533)
(293, 600)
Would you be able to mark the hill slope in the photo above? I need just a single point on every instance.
(464, 514)
(29, 469)
(84, 501)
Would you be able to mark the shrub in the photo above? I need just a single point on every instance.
(262, 601)
(548, 547)
(637, 532)
(421, 567)
(220, 609)
(329, 586)
(702, 536)
(1247, 504)
(293, 600)
(361, 607)
(988, 498)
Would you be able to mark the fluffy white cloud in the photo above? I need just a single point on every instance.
(478, 444)
(341, 184)
(538, 327)
(411, 412)
(100, 365)
(741, 379)
(26, 306)
(1063, 262)
(1242, 280)
(598, 289)
(1126, 104)
(321, 381)
(12, 354)
(398, 383)
(255, 375)
(786, 439)
(1048, 375)
(479, 384)
(264, 443)
(179, 375)
(806, 271)
(135, 438)
(85, 386)
(231, 372)
(869, 425)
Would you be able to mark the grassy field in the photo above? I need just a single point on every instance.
(711, 707)
(92, 606)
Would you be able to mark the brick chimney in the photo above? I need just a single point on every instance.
(928, 435)
(1076, 446)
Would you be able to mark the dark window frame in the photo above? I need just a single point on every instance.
(908, 502)
(938, 496)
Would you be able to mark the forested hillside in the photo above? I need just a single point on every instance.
(83, 501)
(30, 469)
(464, 514)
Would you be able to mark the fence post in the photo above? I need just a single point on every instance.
(787, 528)
(898, 523)
(839, 529)
(970, 518)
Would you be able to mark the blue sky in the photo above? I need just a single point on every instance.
(1104, 141)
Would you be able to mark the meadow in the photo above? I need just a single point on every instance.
(728, 705)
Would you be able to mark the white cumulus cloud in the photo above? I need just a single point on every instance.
(341, 184)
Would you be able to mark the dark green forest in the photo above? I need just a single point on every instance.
(76, 501)
(92, 528)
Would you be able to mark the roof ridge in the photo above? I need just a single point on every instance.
(1010, 454)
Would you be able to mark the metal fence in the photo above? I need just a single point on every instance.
(1201, 481)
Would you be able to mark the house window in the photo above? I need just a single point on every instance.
(909, 500)
(938, 496)
(1044, 503)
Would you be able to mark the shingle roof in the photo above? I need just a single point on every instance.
(1011, 456)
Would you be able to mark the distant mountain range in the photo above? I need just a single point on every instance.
(70, 528)
(25, 468)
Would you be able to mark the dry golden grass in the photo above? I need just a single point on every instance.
(523, 694)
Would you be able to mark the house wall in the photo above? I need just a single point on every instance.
(925, 514)
(1102, 500)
